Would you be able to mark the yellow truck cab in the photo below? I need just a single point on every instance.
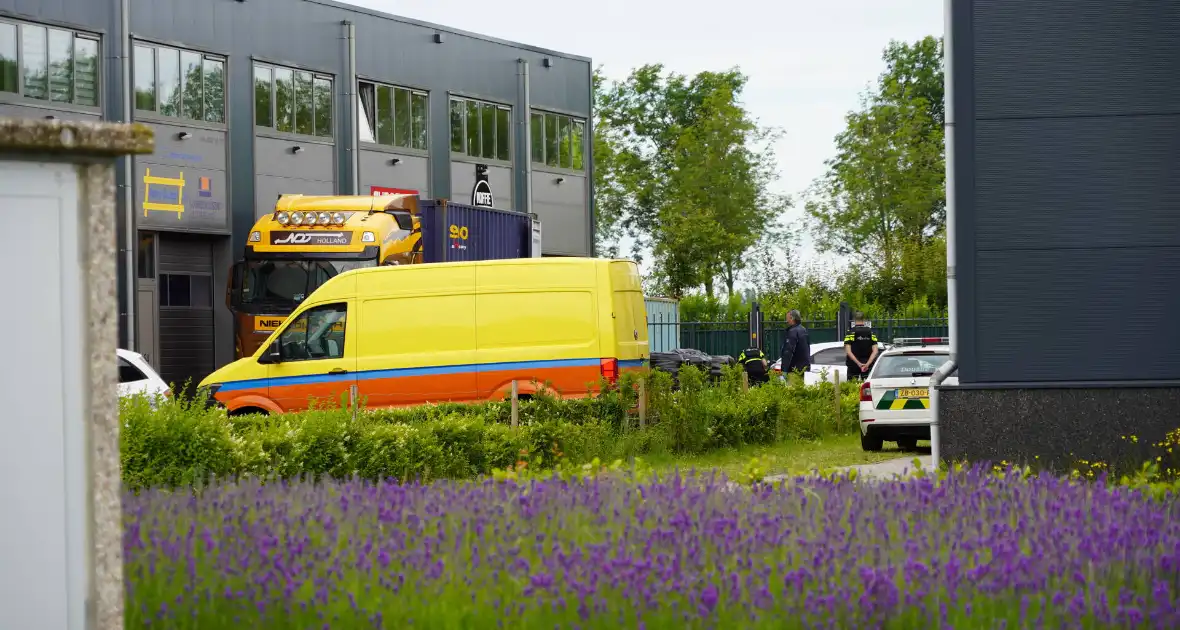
(304, 242)
(459, 331)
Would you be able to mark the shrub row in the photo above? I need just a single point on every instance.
(181, 443)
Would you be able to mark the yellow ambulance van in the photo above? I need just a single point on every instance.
(461, 331)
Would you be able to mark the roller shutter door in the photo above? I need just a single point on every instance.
(186, 308)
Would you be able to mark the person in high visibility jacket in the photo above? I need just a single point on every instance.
(753, 360)
(860, 347)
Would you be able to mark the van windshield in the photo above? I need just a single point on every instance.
(286, 283)
(907, 365)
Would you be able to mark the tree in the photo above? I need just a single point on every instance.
(684, 172)
(882, 199)
(610, 188)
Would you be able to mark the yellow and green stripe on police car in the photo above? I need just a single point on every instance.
(892, 402)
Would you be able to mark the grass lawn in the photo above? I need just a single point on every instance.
(785, 457)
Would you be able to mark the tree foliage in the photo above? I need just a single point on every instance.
(683, 170)
(882, 200)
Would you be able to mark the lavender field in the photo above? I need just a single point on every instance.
(974, 550)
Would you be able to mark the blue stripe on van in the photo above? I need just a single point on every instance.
(405, 372)
(630, 363)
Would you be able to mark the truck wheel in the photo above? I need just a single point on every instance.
(870, 443)
(907, 444)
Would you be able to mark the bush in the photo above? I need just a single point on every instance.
(181, 443)
(177, 443)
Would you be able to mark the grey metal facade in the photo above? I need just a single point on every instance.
(1065, 144)
(224, 165)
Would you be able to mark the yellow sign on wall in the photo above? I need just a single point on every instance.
(167, 196)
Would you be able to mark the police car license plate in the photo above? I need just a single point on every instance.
(917, 392)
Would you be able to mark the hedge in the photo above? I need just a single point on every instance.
(182, 443)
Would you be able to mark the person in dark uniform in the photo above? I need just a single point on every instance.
(753, 360)
(796, 350)
(860, 347)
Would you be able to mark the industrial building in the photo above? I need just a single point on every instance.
(1063, 219)
(253, 98)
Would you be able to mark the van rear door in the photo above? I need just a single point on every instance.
(629, 313)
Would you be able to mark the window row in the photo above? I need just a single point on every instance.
(393, 116)
(49, 64)
(179, 83)
(558, 140)
(481, 130)
(292, 101)
(62, 66)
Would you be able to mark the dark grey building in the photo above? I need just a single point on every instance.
(1063, 150)
(253, 98)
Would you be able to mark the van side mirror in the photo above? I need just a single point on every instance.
(271, 355)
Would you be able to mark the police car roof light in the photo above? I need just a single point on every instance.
(921, 341)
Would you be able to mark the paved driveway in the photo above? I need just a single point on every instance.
(880, 470)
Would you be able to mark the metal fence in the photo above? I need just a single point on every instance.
(663, 324)
(733, 337)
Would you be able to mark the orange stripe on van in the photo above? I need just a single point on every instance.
(413, 386)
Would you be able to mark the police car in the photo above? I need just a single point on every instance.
(895, 396)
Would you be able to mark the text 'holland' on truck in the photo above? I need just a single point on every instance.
(310, 239)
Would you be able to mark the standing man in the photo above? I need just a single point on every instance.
(860, 347)
(796, 350)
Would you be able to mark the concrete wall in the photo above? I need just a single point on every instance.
(10, 109)
(412, 172)
(499, 178)
(1065, 140)
(559, 206)
(311, 171)
(1068, 204)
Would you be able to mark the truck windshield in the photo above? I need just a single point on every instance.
(286, 283)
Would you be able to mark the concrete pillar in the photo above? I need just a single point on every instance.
(61, 537)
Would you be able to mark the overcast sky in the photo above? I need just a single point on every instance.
(807, 61)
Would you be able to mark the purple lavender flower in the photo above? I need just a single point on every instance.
(975, 550)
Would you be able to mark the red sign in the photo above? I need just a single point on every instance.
(382, 191)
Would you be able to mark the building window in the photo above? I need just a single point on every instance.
(393, 116)
(481, 130)
(179, 83)
(186, 290)
(292, 101)
(558, 141)
(48, 64)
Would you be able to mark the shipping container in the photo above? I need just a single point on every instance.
(453, 232)
(663, 324)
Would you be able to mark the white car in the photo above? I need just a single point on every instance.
(136, 376)
(827, 359)
(895, 397)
